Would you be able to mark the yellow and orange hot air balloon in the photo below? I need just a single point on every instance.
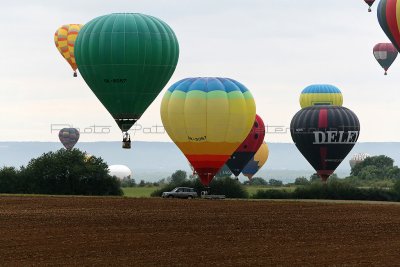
(64, 38)
(208, 118)
(256, 162)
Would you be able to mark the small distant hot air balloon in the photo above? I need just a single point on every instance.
(358, 158)
(385, 54)
(256, 162)
(120, 171)
(224, 172)
(321, 94)
(248, 148)
(65, 38)
(208, 118)
(87, 157)
(126, 59)
(69, 137)
(325, 135)
(369, 3)
(389, 19)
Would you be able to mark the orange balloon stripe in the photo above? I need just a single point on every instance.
(204, 148)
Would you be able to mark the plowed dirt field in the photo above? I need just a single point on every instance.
(160, 232)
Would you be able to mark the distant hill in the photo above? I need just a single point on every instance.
(152, 161)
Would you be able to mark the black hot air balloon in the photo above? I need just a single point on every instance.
(325, 135)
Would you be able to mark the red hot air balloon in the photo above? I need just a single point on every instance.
(325, 135)
(385, 54)
(369, 3)
(389, 19)
(246, 151)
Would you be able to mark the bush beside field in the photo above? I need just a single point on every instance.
(335, 190)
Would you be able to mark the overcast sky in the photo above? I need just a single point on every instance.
(274, 47)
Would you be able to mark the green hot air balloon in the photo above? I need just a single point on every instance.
(126, 59)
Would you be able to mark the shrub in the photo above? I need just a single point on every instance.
(336, 190)
(274, 182)
(272, 194)
(8, 180)
(301, 181)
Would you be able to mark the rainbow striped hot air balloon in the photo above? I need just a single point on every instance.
(65, 38)
(389, 19)
(321, 94)
(208, 118)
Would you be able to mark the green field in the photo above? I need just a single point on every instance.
(146, 191)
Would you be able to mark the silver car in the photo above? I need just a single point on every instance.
(180, 192)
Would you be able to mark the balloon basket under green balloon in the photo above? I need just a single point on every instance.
(126, 144)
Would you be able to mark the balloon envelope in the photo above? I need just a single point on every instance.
(385, 54)
(64, 39)
(369, 3)
(389, 19)
(358, 158)
(69, 137)
(256, 163)
(207, 118)
(120, 171)
(325, 135)
(321, 94)
(247, 148)
(224, 172)
(126, 60)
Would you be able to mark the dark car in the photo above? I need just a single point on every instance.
(181, 192)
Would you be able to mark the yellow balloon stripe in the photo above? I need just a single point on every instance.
(398, 14)
(311, 99)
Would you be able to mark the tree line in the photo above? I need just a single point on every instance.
(64, 172)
